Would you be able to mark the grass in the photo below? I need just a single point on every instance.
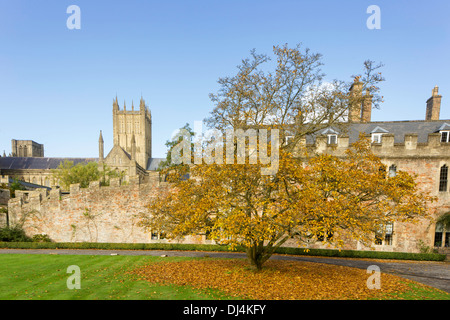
(44, 277)
(417, 292)
(104, 277)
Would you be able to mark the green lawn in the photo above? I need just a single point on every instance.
(44, 277)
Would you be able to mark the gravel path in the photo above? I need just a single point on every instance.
(434, 274)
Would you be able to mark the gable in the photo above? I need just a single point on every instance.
(117, 157)
(379, 130)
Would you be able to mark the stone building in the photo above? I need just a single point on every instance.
(132, 135)
(26, 148)
(420, 147)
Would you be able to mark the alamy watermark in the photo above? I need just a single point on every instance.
(374, 20)
(374, 281)
(210, 146)
(74, 281)
(74, 20)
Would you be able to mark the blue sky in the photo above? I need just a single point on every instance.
(57, 85)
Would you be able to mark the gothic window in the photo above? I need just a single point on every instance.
(443, 177)
(392, 171)
(137, 127)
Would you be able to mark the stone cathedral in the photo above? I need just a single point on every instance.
(131, 151)
(132, 137)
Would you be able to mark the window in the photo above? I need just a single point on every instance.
(442, 235)
(376, 137)
(392, 171)
(443, 178)
(445, 136)
(289, 139)
(137, 127)
(332, 139)
(158, 235)
(321, 236)
(384, 234)
(389, 230)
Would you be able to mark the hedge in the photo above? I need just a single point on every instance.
(213, 247)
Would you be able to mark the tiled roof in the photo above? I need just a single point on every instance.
(38, 163)
(153, 163)
(397, 128)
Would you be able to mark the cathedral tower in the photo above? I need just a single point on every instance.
(132, 130)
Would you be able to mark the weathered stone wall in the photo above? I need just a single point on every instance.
(94, 214)
(4, 196)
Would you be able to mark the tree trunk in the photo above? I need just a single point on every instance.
(255, 254)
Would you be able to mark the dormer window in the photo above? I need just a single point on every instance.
(332, 139)
(289, 139)
(332, 136)
(444, 130)
(377, 134)
(376, 137)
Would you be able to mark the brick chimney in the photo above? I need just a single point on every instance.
(354, 114)
(433, 105)
(367, 107)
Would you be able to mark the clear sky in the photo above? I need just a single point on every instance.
(57, 85)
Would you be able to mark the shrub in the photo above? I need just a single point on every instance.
(41, 238)
(214, 247)
(14, 234)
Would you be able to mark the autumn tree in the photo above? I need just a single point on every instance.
(318, 197)
(321, 198)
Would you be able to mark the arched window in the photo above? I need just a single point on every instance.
(443, 178)
(25, 153)
(392, 171)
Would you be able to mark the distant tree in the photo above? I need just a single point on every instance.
(15, 185)
(170, 169)
(67, 173)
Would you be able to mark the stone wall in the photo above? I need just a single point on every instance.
(94, 214)
(4, 196)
